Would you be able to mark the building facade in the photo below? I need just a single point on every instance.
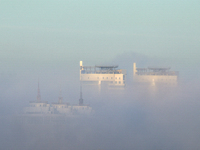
(108, 75)
(155, 76)
(39, 107)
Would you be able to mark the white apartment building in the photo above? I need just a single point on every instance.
(155, 76)
(56, 108)
(38, 108)
(108, 75)
(59, 108)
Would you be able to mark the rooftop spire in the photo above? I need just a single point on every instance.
(81, 100)
(38, 94)
(60, 96)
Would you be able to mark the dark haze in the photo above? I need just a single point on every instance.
(135, 117)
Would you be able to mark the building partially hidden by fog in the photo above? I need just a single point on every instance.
(106, 75)
(60, 107)
(39, 107)
(155, 76)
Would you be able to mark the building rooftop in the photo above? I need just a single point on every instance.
(100, 70)
(156, 71)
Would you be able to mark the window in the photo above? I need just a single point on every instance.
(115, 82)
(119, 78)
(103, 77)
(111, 78)
(88, 77)
(107, 78)
(119, 82)
(116, 78)
(97, 77)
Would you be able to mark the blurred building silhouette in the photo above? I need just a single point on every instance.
(107, 75)
(39, 107)
(155, 76)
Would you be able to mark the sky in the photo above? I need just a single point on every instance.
(53, 31)
(45, 40)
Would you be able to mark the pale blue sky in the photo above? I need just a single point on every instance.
(54, 30)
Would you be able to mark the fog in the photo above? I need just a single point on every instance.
(133, 117)
(45, 40)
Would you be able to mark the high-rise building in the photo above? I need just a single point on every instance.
(38, 106)
(155, 75)
(108, 75)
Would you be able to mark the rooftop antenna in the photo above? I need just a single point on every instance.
(60, 99)
(38, 94)
(81, 100)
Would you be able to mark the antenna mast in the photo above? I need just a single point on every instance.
(38, 94)
(81, 99)
(60, 99)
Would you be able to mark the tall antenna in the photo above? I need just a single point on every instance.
(60, 97)
(80, 100)
(38, 94)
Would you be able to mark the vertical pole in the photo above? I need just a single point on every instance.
(81, 68)
(81, 99)
(38, 94)
(134, 69)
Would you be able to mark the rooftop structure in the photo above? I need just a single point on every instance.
(109, 75)
(81, 99)
(155, 75)
(38, 95)
(39, 107)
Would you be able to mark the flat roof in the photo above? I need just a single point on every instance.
(159, 68)
(106, 66)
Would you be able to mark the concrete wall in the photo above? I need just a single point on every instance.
(156, 79)
(37, 110)
(112, 79)
(82, 109)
